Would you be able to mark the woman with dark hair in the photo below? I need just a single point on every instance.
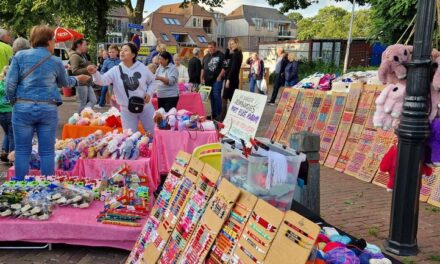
(167, 89)
(32, 88)
(78, 65)
(131, 80)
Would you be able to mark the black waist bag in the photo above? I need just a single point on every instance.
(135, 103)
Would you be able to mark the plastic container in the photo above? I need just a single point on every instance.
(250, 173)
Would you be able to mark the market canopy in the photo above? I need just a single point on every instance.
(65, 34)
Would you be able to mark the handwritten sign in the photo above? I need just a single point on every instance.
(244, 116)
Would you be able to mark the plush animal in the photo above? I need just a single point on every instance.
(142, 146)
(83, 121)
(172, 118)
(435, 92)
(112, 146)
(389, 105)
(434, 142)
(160, 119)
(128, 145)
(392, 68)
(88, 113)
(388, 164)
(73, 119)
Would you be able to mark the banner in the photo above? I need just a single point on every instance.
(244, 116)
(278, 114)
(303, 114)
(313, 114)
(292, 102)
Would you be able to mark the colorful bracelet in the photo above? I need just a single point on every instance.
(254, 237)
(249, 254)
(297, 229)
(262, 222)
(260, 232)
(253, 244)
(294, 239)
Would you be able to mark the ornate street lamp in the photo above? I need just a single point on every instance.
(413, 132)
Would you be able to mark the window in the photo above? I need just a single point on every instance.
(201, 38)
(270, 25)
(177, 22)
(194, 22)
(166, 20)
(165, 37)
(257, 24)
(197, 22)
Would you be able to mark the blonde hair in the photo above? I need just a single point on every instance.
(236, 41)
(152, 67)
(4, 72)
(161, 48)
(291, 56)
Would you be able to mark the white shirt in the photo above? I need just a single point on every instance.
(114, 76)
(183, 74)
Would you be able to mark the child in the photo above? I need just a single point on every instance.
(5, 119)
(110, 62)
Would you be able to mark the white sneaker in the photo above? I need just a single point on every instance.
(97, 106)
(389, 190)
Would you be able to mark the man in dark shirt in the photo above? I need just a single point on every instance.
(212, 75)
(195, 68)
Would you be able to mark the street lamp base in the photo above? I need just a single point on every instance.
(401, 249)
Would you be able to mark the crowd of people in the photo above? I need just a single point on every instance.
(31, 77)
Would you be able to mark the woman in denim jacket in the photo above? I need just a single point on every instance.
(35, 97)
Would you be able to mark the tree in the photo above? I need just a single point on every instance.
(301, 4)
(391, 18)
(295, 17)
(334, 22)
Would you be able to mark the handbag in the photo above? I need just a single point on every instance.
(135, 103)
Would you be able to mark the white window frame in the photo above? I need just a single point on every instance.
(258, 23)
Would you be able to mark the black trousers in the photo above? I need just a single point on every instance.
(167, 103)
(276, 87)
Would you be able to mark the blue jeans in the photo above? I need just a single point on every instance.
(216, 99)
(8, 139)
(27, 118)
(101, 101)
(252, 83)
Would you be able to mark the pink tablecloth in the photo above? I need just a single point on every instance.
(71, 226)
(95, 168)
(188, 101)
(167, 143)
(11, 173)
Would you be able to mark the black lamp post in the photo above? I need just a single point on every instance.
(413, 133)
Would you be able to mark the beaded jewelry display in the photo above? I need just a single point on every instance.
(297, 240)
(262, 222)
(200, 245)
(299, 230)
(220, 205)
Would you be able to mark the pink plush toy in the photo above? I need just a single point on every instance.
(389, 106)
(392, 69)
(435, 91)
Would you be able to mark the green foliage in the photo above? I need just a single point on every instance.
(287, 5)
(435, 258)
(373, 231)
(295, 16)
(334, 22)
(391, 18)
(407, 260)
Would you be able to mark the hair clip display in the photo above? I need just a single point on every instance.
(262, 222)
(299, 230)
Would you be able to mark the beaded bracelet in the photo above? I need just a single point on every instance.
(254, 237)
(297, 229)
(262, 222)
(253, 244)
(259, 231)
(294, 239)
(249, 254)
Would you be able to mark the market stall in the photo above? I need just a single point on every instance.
(188, 101)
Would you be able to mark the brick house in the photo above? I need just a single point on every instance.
(189, 27)
(254, 24)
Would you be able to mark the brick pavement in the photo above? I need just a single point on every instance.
(359, 208)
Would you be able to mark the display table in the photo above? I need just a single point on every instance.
(71, 226)
(167, 143)
(188, 101)
(96, 168)
(75, 131)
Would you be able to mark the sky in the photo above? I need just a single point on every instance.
(230, 5)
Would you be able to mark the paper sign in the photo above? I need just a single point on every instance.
(244, 116)
(204, 92)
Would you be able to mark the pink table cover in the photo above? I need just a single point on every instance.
(188, 101)
(71, 226)
(95, 168)
(167, 143)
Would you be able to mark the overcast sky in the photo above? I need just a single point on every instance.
(230, 5)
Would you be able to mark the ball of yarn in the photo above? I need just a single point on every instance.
(341, 256)
(333, 245)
